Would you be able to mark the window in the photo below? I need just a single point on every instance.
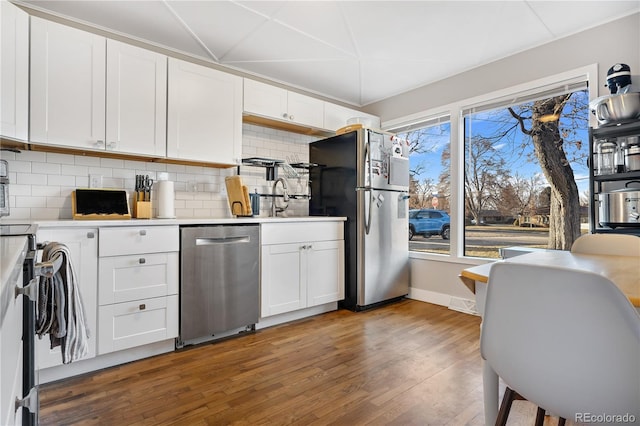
(429, 183)
(509, 198)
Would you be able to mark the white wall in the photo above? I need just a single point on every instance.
(608, 44)
(619, 41)
(41, 182)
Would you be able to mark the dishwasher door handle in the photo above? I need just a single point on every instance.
(222, 240)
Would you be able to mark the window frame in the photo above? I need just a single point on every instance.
(454, 111)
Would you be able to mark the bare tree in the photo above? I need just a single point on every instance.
(519, 196)
(484, 169)
(421, 192)
(548, 143)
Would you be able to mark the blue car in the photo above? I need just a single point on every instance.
(428, 222)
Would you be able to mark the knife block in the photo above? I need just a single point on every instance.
(142, 209)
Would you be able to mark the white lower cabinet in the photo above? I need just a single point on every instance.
(83, 246)
(138, 286)
(302, 266)
(140, 322)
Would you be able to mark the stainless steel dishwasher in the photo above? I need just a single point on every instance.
(219, 281)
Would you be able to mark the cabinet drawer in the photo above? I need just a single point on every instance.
(138, 239)
(136, 277)
(297, 232)
(130, 324)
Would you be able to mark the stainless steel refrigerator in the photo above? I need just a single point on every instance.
(364, 175)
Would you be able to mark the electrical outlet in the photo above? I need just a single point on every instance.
(223, 189)
(95, 181)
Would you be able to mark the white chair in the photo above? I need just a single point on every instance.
(566, 340)
(614, 244)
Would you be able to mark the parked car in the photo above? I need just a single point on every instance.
(428, 222)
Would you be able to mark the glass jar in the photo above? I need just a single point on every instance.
(606, 157)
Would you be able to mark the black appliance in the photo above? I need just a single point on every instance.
(29, 403)
(364, 175)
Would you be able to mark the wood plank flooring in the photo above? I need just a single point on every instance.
(409, 363)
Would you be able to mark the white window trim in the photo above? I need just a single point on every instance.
(454, 110)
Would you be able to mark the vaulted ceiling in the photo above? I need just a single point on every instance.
(357, 52)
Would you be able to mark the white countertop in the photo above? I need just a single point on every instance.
(70, 223)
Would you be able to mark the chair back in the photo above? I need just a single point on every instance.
(613, 244)
(566, 340)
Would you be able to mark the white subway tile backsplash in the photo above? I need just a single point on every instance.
(30, 179)
(82, 160)
(41, 183)
(52, 157)
(15, 189)
(112, 163)
(61, 180)
(33, 156)
(73, 170)
(20, 166)
(22, 201)
(41, 191)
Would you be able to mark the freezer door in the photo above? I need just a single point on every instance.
(384, 160)
(383, 260)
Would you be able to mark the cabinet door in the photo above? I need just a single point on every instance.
(265, 100)
(83, 245)
(204, 114)
(336, 116)
(135, 277)
(14, 71)
(131, 324)
(284, 286)
(325, 272)
(67, 86)
(136, 100)
(305, 110)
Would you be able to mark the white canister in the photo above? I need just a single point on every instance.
(166, 197)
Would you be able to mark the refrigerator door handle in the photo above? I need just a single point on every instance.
(367, 219)
(367, 183)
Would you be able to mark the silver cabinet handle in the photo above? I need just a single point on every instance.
(90, 235)
(285, 115)
(142, 261)
(291, 117)
(143, 232)
(98, 144)
(112, 145)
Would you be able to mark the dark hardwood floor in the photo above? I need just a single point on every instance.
(409, 363)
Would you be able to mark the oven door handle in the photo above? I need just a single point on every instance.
(43, 269)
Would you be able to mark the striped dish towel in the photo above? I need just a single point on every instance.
(60, 311)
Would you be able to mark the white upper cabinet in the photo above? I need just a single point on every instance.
(80, 81)
(14, 71)
(204, 114)
(336, 116)
(67, 86)
(283, 105)
(136, 100)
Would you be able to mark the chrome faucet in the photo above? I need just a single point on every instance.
(285, 197)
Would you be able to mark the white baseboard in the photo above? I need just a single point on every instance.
(463, 305)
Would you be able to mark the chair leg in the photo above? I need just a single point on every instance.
(561, 421)
(505, 407)
(540, 416)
